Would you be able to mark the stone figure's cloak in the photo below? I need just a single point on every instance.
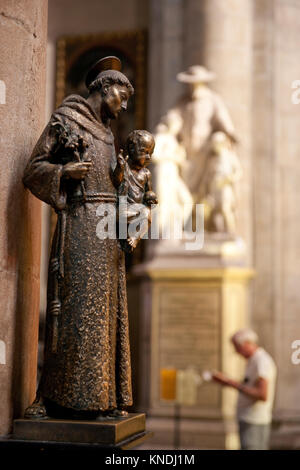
(200, 116)
(89, 368)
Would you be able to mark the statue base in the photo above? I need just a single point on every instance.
(218, 250)
(116, 432)
(186, 309)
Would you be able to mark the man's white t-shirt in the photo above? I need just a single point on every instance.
(259, 365)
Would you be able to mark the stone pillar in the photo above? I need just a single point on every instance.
(276, 149)
(218, 35)
(23, 34)
(165, 56)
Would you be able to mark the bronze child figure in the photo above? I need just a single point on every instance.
(133, 181)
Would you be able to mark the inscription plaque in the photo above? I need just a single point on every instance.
(189, 333)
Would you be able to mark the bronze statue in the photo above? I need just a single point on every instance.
(87, 356)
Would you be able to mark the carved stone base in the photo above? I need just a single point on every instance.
(109, 432)
(186, 316)
(219, 250)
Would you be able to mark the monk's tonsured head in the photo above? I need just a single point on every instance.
(106, 78)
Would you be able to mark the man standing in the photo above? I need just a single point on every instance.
(256, 392)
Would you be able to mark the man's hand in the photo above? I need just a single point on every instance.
(76, 170)
(222, 379)
(257, 392)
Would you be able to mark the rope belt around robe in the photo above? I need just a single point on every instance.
(57, 263)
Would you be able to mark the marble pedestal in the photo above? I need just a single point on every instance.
(184, 315)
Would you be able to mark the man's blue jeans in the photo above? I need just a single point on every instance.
(254, 436)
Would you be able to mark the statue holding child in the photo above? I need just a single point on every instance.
(87, 368)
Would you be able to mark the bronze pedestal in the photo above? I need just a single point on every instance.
(118, 432)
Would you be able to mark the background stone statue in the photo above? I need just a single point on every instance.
(202, 112)
(87, 357)
(170, 160)
(184, 142)
(221, 172)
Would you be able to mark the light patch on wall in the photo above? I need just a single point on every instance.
(2, 92)
(2, 353)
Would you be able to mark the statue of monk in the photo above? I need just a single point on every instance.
(87, 367)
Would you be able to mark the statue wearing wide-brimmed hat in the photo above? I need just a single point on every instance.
(196, 74)
(198, 115)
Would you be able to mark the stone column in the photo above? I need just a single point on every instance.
(218, 35)
(23, 34)
(165, 56)
(276, 149)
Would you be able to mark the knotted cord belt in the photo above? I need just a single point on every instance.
(94, 197)
(57, 263)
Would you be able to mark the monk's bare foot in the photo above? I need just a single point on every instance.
(116, 413)
(36, 411)
(102, 416)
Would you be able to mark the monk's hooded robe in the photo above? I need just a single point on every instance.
(87, 356)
